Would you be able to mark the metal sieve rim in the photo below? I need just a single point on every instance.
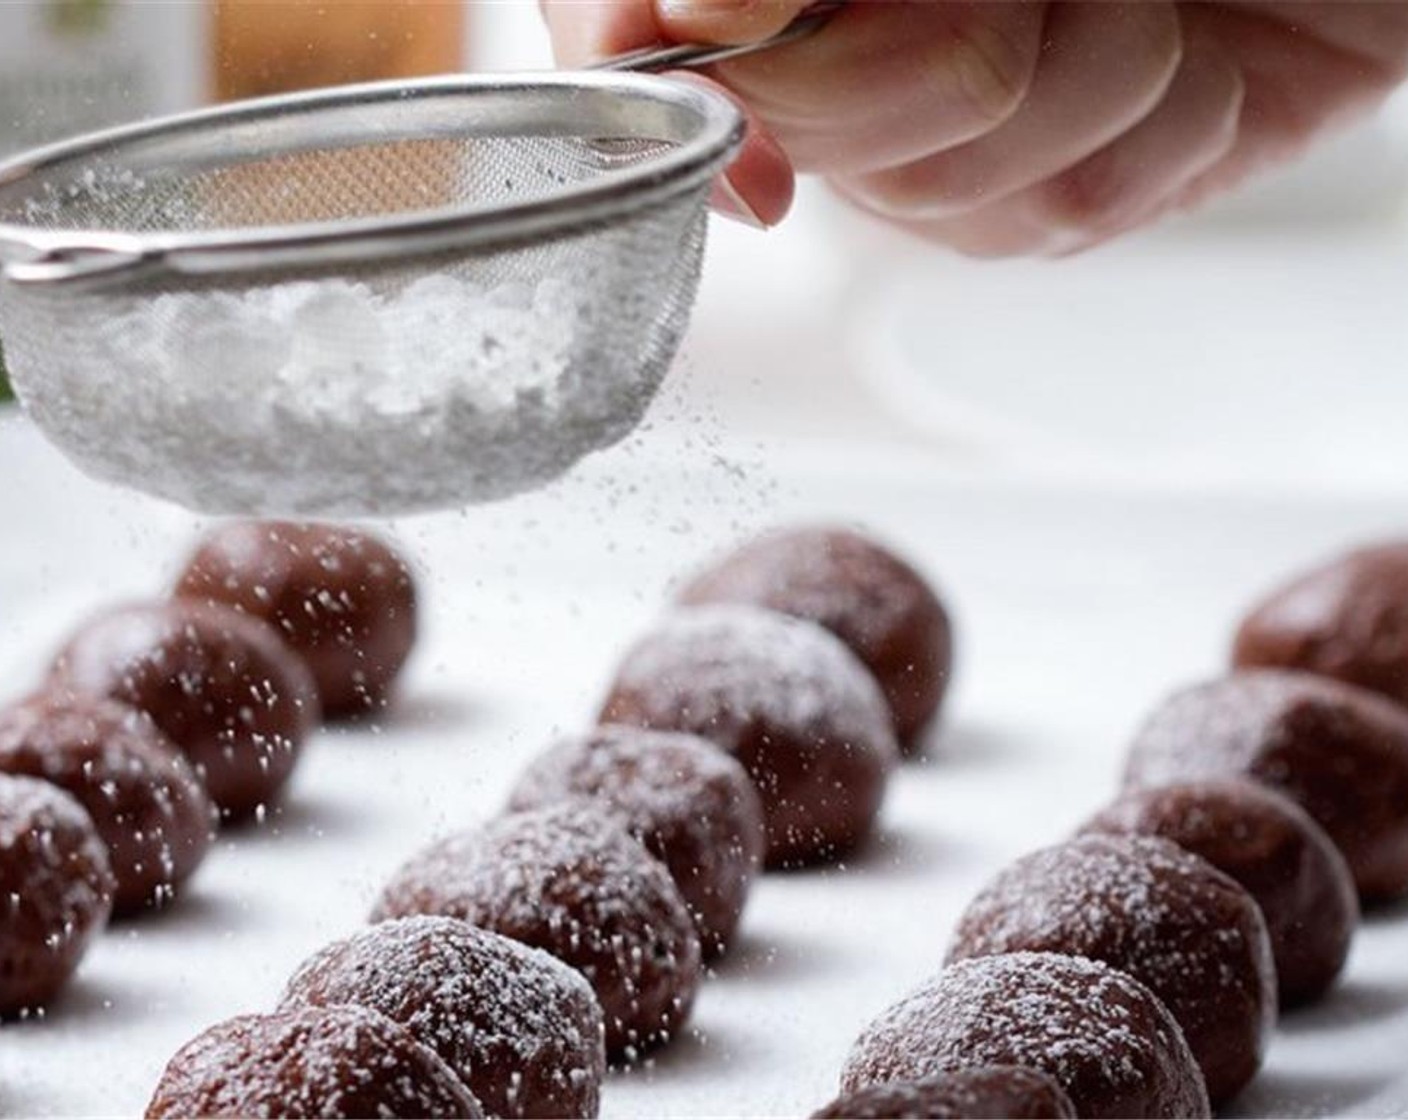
(706, 128)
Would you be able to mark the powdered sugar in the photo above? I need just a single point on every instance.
(243, 704)
(1245, 721)
(521, 1029)
(657, 776)
(1275, 850)
(143, 797)
(55, 890)
(1168, 918)
(847, 583)
(690, 804)
(1096, 892)
(788, 700)
(1104, 1038)
(310, 1062)
(1339, 751)
(567, 880)
(333, 397)
(738, 663)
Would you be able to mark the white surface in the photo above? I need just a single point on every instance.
(1076, 611)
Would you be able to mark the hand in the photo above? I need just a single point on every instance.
(1020, 126)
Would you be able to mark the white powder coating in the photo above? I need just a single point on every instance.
(1273, 848)
(332, 398)
(244, 706)
(521, 1029)
(690, 804)
(310, 1062)
(569, 880)
(1253, 721)
(1171, 920)
(834, 576)
(786, 698)
(144, 797)
(55, 886)
(1109, 1043)
(1339, 751)
(731, 665)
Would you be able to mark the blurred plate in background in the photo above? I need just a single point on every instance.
(1265, 359)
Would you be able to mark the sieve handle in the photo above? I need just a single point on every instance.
(690, 56)
(65, 257)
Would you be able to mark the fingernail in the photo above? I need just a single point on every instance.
(728, 202)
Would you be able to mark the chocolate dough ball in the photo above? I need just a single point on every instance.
(692, 806)
(522, 1030)
(864, 594)
(55, 891)
(569, 880)
(340, 598)
(145, 800)
(1275, 850)
(1339, 752)
(219, 684)
(967, 1094)
(1172, 921)
(1346, 619)
(1108, 1042)
(324, 1062)
(784, 697)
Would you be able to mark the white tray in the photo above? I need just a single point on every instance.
(1076, 612)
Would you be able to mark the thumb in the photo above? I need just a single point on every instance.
(724, 21)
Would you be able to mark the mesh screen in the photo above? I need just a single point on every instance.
(325, 184)
(128, 376)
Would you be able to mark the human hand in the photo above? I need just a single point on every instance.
(1019, 126)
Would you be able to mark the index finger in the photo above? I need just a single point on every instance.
(757, 187)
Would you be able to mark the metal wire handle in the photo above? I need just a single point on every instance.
(690, 56)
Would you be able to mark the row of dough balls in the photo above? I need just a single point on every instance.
(159, 719)
(1137, 969)
(735, 736)
(744, 728)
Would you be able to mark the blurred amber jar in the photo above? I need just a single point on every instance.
(274, 46)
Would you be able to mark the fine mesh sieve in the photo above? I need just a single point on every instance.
(233, 308)
(159, 251)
